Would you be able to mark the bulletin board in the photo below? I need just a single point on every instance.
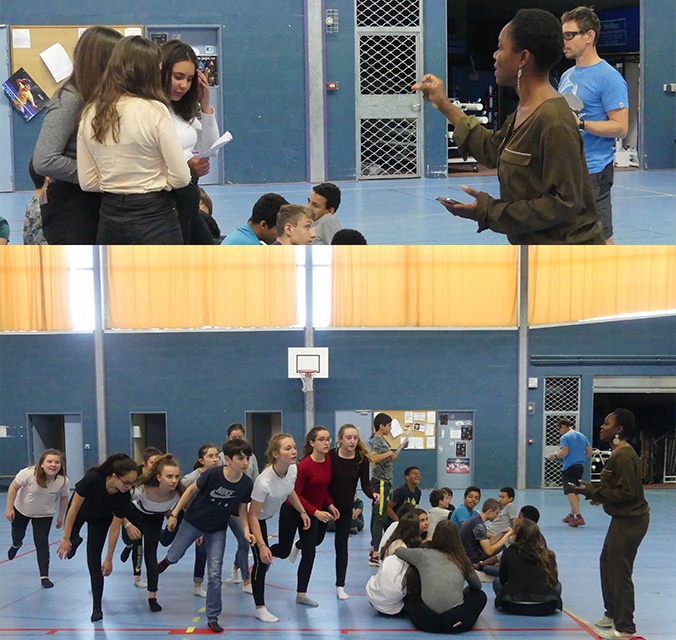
(420, 423)
(43, 37)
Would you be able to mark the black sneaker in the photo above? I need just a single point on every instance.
(73, 548)
(374, 560)
(46, 583)
(214, 626)
(12, 551)
(97, 614)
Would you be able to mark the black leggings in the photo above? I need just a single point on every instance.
(151, 528)
(455, 620)
(97, 531)
(41, 527)
(259, 568)
(71, 215)
(343, 526)
(193, 227)
(290, 522)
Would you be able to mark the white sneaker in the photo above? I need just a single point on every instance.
(140, 584)
(247, 588)
(605, 622)
(294, 553)
(340, 593)
(236, 576)
(198, 591)
(614, 633)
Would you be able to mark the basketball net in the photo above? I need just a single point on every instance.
(307, 376)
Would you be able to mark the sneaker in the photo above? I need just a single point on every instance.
(614, 633)
(578, 521)
(605, 622)
(247, 588)
(214, 626)
(236, 576)
(568, 518)
(140, 584)
(198, 591)
(374, 560)
(97, 614)
(46, 583)
(12, 551)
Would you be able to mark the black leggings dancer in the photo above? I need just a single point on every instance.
(151, 528)
(97, 531)
(290, 522)
(343, 525)
(41, 527)
(259, 569)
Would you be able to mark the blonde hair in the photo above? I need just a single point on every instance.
(275, 445)
(361, 449)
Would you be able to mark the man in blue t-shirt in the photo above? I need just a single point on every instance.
(217, 494)
(261, 228)
(407, 492)
(602, 105)
(574, 449)
(466, 509)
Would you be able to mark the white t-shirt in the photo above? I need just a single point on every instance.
(387, 535)
(435, 516)
(504, 519)
(195, 135)
(272, 491)
(385, 590)
(35, 501)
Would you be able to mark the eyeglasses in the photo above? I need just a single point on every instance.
(127, 483)
(323, 439)
(569, 35)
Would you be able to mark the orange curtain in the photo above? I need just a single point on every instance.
(34, 289)
(169, 287)
(567, 284)
(424, 286)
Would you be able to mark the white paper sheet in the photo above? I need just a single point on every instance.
(419, 416)
(133, 31)
(396, 430)
(215, 148)
(408, 417)
(429, 429)
(21, 38)
(416, 443)
(455, 434)
(57, 61)
(430, 443)
(431, 416)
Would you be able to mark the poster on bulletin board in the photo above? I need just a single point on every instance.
(419, 426)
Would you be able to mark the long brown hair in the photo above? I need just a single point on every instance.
(407, 530)
(150, 479)
(361, 451)
(133, 69)
(446, 538)
(310, 438)
(527, 535)
(40, 475)
(90, 59)
(178, 51)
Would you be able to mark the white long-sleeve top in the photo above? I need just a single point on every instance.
(196, 135)
(147, 158)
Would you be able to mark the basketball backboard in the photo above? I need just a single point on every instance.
(308, 359)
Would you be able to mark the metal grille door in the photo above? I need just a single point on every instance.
(562, 400)
(389, 115)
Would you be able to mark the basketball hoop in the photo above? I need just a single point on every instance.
(307, 376)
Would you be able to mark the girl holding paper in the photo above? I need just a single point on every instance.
(187, 89)
(128, 149)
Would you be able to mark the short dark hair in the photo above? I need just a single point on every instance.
(407, 507)
(539, 32)
(627, 419)
(348, 236)
(491, 504)
(408, 470)
(436, 496)
(235, 447)
(266, 209)
(329, 191)
(530, 513)
(586, 20)
(236, 426)
(149, 452)
(204, 198)
(212, 225)
(564, 422)
(380, 420)
(472, 488)
(509, 491)
(38, 180)
(448, 490)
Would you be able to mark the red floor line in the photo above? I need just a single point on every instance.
(583, 624)
(27, 553)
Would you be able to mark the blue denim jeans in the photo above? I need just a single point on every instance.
(215, 548)
(242, 555)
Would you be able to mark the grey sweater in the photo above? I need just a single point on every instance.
(442, 582)
(54, 154)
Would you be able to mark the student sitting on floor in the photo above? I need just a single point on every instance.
(528, 584)
(479, 547)
(436, 598)
(466, 509)
(407, 507)
(440, 499)
(508, 512)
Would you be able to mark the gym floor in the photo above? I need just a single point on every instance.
(29, 611)
(405, 211)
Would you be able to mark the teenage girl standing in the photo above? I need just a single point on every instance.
(32, 497)
(154, 496)
(128, 149)
(314, 475)
(271, 488)
(71, 215)
(100, 496)
(187, 89)
(350, 463)
(207, 456)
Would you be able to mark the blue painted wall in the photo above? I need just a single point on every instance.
(658, 66)
(262, 71)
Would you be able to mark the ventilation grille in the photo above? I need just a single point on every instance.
(388, 13)
(389, 147)
(387, 64)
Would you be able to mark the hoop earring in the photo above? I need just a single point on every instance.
(518, 80)
(616, 440)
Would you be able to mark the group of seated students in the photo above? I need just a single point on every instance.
(432, 565)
